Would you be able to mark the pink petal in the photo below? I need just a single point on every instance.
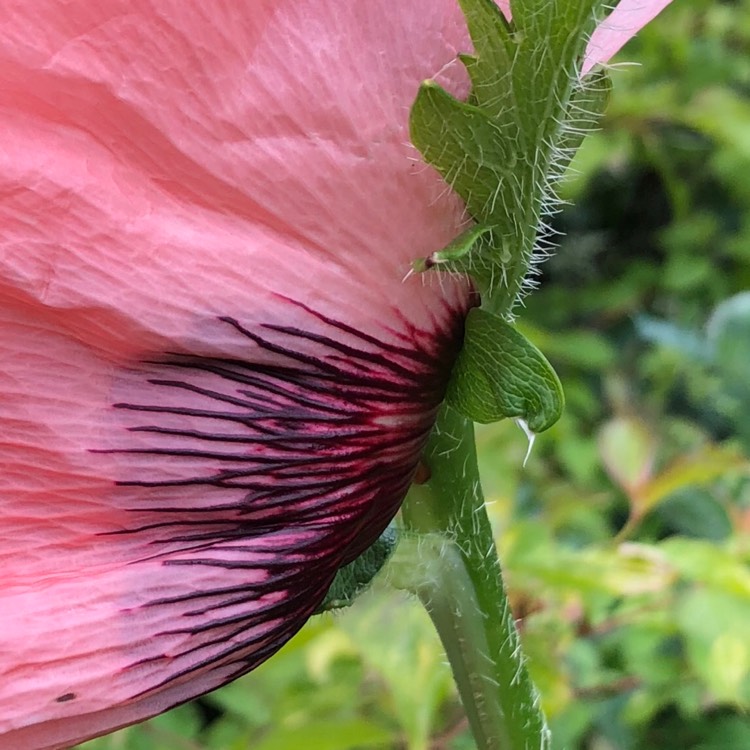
(170, 524)
(215, 383)
(629, 17)
(148, 137)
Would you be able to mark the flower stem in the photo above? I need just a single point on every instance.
(459, 582)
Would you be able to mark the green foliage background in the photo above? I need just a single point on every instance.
(626, 537)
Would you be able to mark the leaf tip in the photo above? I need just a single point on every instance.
(530, 437)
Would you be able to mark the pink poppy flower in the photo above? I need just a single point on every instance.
(215, 382)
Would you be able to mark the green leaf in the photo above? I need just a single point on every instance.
(628, 450)
(709, 565)
(355, 578)
(501, 374)
(726, 733)
(695, 512)
(728, 333)
(665, 333)
(707, 465)
(716, 628)
(327, 735)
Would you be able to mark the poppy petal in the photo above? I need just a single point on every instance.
(622, 24)
(171, 523)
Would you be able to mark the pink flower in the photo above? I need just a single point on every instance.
(215, 384)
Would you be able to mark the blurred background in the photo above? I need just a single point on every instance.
(626, 538)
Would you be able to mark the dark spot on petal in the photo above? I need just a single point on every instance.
(65, 697)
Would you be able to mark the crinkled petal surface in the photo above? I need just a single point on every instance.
(215, 382)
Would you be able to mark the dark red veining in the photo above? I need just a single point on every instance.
(304, 462)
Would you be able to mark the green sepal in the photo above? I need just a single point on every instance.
(490, 65)
(455, 256)
(552, 36)
(585, 108)
(463, 143)
(355, 578)
(501, 149)
(501, 374)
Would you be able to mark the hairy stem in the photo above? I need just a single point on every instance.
(458, 579)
